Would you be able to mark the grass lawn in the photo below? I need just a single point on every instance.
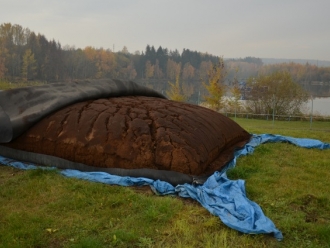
(291, 184)
(5, 85)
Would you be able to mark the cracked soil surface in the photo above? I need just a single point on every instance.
(137, 132)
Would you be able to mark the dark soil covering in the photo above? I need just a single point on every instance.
(137, 132)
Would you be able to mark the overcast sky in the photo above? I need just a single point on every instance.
(291, 29)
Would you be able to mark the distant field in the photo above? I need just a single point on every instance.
(5, 85)
(291, 184)
(300, 129)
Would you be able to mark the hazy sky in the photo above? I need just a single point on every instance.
(292, 29)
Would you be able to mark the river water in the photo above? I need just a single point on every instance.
(321, 106)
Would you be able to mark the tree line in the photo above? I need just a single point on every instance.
(27, 56)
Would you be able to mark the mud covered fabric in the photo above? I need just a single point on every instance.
(221, 196)
(21, 108)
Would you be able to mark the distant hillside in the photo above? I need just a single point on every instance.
(320, 63)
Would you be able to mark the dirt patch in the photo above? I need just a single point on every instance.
(313, 208)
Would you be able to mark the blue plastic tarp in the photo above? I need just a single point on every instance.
(221, 196)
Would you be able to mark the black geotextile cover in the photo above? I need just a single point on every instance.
(21, 108)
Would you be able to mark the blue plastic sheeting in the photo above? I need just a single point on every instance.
(221, 196)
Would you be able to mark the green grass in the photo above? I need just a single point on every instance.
(291, 184)
(44, 209)
(5, 85)
(299, 129)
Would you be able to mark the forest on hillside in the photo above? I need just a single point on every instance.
(27, 56)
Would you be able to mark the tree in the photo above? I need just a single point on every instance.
(187, 89)
(125, 50)
(175, 92)
(173, 69)
(188, 71)
(149, 70)
(29, 65)
(203, 70)
(235, 90)
(150, 54)
(107, 62)
(13, 38)
(216, 87)
(233, 102)
(52, 64)
(192, 57)
(175, 55)
(276, 93)
(3, 55)
(128, 72)
(162, 56)
(158, 73)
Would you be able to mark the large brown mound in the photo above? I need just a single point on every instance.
(137, 132)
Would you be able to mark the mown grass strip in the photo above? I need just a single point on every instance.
(6, 85)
